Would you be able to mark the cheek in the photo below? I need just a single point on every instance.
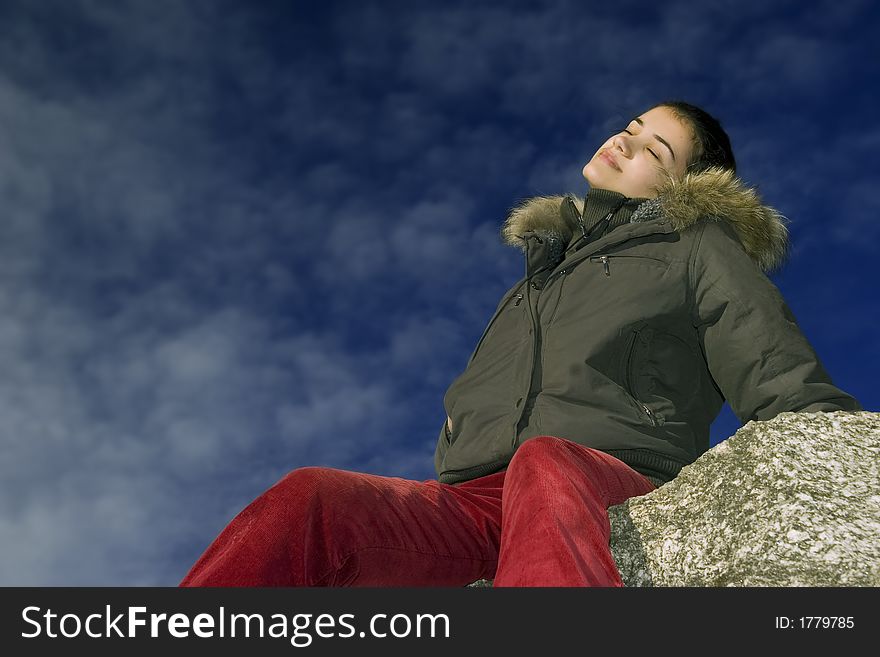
(645, 179)
(644, 173)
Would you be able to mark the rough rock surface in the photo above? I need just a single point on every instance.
(793, 501)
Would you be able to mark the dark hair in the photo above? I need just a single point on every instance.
(711, 144)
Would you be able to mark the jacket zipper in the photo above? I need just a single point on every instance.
(584, 234)
(536, 353)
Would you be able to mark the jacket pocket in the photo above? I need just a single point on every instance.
(608, 261)
(629, 376)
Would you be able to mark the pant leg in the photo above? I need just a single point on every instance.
(328, 527)
(555, 529)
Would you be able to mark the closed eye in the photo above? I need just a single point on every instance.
(657, 157)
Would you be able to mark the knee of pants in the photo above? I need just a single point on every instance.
(307, 478)
(302, 480)
(535, 452)
(317, 491)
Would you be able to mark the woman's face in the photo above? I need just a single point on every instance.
(632, 161)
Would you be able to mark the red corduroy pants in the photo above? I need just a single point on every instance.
(541, 522)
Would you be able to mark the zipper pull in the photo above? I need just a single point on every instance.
(650, 415)
(654, 419)
(518, 298)
(604, 260)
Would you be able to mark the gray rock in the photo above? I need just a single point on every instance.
(793, 501)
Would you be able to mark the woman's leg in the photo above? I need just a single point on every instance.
(328, 527)
(555, 529)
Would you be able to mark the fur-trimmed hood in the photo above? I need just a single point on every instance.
(711, 195)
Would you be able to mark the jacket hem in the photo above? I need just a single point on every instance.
(659, 468)
(458, 476)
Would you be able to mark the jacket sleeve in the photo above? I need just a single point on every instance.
(758, 357)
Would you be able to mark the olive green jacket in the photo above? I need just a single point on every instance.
(636, 320)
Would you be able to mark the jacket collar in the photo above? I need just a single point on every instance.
(711, 195)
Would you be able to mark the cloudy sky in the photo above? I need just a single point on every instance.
(243, 237)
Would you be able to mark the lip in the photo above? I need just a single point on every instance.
(609, 159)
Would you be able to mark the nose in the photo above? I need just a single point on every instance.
(622, 144)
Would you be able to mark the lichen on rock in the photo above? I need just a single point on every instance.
(793, 501)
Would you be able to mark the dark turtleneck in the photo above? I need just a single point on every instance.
(543, 255)
(597, 204)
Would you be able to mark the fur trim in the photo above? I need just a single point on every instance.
(540, 214)
(711, 195)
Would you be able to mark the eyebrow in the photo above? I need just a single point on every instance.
(658, 138)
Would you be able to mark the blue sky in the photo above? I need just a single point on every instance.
(244, 237)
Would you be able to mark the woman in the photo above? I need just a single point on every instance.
(642, 309)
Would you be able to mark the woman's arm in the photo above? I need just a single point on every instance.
(757, 354)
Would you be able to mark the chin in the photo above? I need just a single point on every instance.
(597, 182)
(589, 175)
